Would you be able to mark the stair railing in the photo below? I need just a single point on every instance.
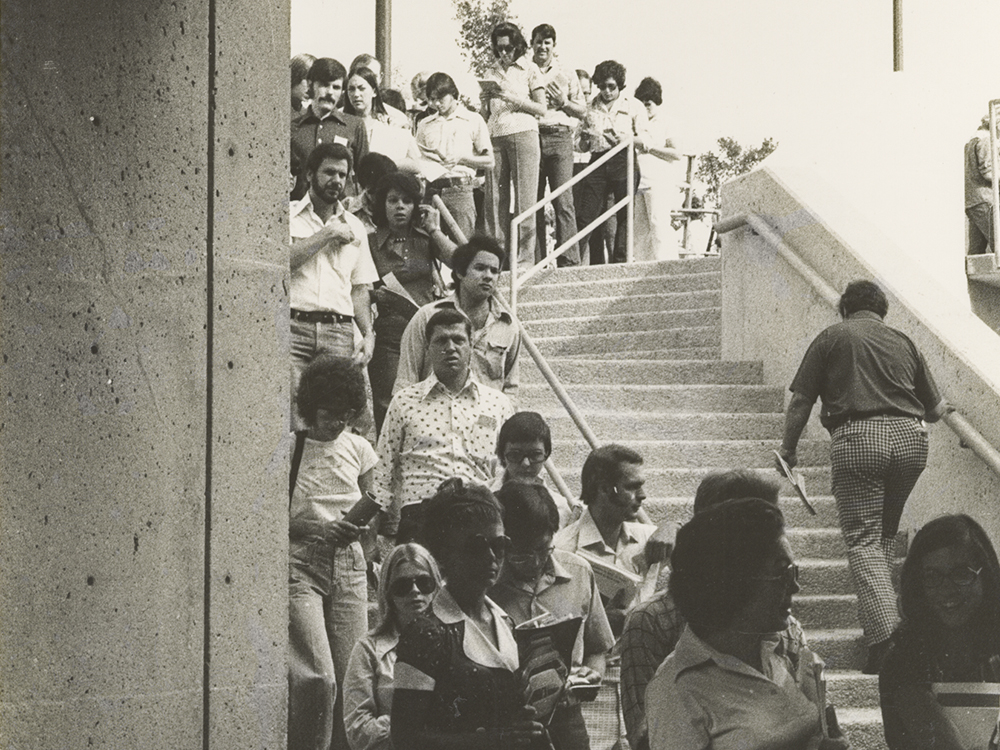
(967, 434)
(995, 162)
(516, 281)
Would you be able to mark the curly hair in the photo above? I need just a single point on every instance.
(863, 295)
(716, 554)
(478, 243)
(404, 553)
(330, 382)
(649, 90)
(402, 182)
(609, 69)
(456, 505)
(506, 28)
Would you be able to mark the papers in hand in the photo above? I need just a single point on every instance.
(489, 86)
(797, 480)
(545, 652)
(613, 582)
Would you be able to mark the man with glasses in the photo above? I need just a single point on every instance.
(877, 392)
(442, 427)
(524, 444)
(540, 582)
(459, 141)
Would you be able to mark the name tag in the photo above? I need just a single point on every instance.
(340, 139)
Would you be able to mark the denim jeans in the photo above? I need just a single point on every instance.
(462, 207)
(327, 614)
(610, 177)
(517, 158)
(557, 169)
(309, 338)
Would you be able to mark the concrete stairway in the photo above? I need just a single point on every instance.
(638, 349)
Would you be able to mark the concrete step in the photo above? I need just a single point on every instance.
(841, 648)
(667, 338)
(692, 399)
(672, 353)
(608, 425)
(826, 610)
(615, 287)
(679, 508)
(692, 453)
(537, 309)
(648, 371)
(863, 727)
(824, 577)
(851, 688)
(592, 322)
(817, 542)
(622, 271)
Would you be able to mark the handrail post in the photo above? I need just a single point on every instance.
(512, 261)
(630, 221)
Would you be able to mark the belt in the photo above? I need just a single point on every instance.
(320, 316)
(447, 182)
(553, 128)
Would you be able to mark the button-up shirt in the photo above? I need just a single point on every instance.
(523, 78)
(627, 554)
(495, 349)
(368, 688)
(568, 83)
(325, 280)
(431, 434)
(461, 134)
(565, 589)
(309, 130)
(626, 116)
(702, 698)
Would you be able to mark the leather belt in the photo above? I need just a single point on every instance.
(320, 316)
(447, 182)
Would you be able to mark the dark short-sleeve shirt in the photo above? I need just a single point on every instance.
(411, 261)
(308, 131)
(861, 367)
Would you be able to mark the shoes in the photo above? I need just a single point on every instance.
(876, 655)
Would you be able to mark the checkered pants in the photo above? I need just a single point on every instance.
(876, 462)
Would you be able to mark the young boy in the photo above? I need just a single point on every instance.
(327, 601)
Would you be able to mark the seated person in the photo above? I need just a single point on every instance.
(950, 632)
(731, 682)
(410, 580)
(538, 579)
(524, 444)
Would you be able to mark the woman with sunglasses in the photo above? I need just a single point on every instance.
(511, 109)
(734, 679)
(950, 632)
(456, 685)
(407, 247)
(538, 580)
(410, 580)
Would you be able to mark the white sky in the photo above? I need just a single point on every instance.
(815, 76)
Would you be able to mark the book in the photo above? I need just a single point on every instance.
(973, 709)
(797, 480)
(545, 653)
(613, 582)
(489, 86)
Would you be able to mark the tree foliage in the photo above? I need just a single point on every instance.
(477, 19)
(728, 161)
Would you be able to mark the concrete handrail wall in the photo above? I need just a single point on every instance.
(772, 310)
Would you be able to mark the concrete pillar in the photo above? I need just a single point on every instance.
(143, 545)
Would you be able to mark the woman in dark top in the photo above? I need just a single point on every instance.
(406, 248)
(950, 632)
(456, 687)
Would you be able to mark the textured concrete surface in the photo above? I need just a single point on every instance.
(143, 484)
(770, 312)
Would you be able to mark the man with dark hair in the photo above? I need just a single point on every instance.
(979, 189)
(459, 141)
(320, 122)
(331, 267)
(524, 444)
(496, 340)
(565, 107)
(653, 627)
(876, 392)
(444, 426)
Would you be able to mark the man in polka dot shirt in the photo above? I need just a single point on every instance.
(444, 426)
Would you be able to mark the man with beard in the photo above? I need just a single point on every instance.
(322, 123)
(444, 426)
(331, 267)
(496, 339)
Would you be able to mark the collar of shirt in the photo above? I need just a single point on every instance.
(552, 574)
(459, 113)
(305, 204)
(590, 535)
(475, 644)
(431, 383)
(311, 115)
(692, 652)
(385, 643)
(865, 315)
(523, 63)
(494, 313)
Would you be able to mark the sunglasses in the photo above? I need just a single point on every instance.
(961, 577)
(789, 575)
(404, 585)
(504, 48)
(498, 546)
(517, 457)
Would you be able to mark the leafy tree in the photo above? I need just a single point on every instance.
(477, 19)
(730, 160)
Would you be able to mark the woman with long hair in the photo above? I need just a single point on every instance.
(410, 581)
(364, 99)
(950, 632)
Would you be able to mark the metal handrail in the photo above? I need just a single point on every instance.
(967, 434)
(995, 159)
(629, 200)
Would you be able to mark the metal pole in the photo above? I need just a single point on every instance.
(688, 190)
(383, 39)
(995, 158)
(630, 221)
(897, 35)
(513, 244)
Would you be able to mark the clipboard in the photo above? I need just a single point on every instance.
(798, 482)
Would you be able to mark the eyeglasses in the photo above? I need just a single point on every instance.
(478, 545)
(961, 577)
(538, 555)
(517, 457)
(404, 585)
(789, 575)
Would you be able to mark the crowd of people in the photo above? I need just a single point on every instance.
(502, 602)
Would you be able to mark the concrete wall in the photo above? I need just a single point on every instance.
(143, 546)
(771, 313)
